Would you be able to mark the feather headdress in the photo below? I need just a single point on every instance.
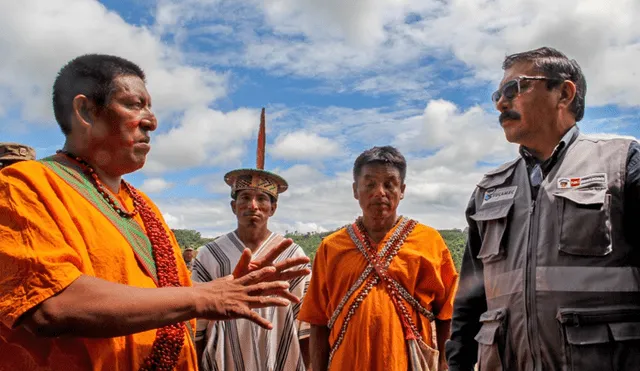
(258, 178)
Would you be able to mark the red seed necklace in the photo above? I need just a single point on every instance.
(169, 339)
(100, 187)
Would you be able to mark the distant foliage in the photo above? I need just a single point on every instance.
(190, 238)
(308, 241)
(455, 239)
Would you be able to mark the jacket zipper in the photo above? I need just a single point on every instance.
(530, 288)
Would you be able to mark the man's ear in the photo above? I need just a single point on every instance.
(402, 188)
(274, 207)
(567, 93)
(355, 190)
(84, 111)
(233, 206)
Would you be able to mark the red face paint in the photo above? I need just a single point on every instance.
(134, 123)
(131, 125)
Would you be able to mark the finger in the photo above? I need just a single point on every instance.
(269, 257)
(256, 276)
(289, 275)
(259, 289)
(242, 267)
(255, 317)
(281, 293)
(291, 262)
(267, 301)
(286, 294)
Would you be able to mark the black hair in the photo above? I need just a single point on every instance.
(555, 65)
(381, 155)
(91, 75)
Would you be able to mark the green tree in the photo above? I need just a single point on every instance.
(308, 241)
(187, 238)
(455, 239)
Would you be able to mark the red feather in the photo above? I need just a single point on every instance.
(261, 143)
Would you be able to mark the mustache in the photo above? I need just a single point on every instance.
(509, 115)
(250, 214)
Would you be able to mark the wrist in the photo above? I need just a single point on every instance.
(196, 300)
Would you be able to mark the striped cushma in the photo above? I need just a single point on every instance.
(240, 345)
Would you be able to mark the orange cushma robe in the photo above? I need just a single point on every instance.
(374, 338)
(49, 236)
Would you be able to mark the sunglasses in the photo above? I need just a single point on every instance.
(512, 88)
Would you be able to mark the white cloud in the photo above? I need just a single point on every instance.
(212, 182)
(314, 205)
(369, 41)
(458, 140)
(360, 46)
(435, 196)
(204, 137)
(443, 148)
(155, 185)
(174, 222)
(361, 23)
(208, 216)
(301, 174)
(483, 35)
(302, 145)
(612, 136)
(39, 36)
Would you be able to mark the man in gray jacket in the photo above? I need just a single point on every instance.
(550, 278)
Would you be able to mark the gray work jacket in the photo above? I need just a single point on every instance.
(561, 282)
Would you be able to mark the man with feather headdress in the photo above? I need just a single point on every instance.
(239, 344)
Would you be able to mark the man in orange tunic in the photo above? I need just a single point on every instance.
(355, 323)
(91, 277)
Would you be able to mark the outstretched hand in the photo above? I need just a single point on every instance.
(231, 298)
(283, 269)
(253, 284)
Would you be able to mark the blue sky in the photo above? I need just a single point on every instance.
(336, 78)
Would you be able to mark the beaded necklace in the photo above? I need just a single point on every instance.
(100, 187)
(381, 264)
(169, 339)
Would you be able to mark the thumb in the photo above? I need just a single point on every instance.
(242, 267)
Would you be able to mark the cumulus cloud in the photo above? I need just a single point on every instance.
(155, 185)
(303, 145)
(484, 34)
(447, 148)
(209, 216)
(315, 205)
(301, 174)
(57, 31)
(365, 43)
(455, 139)
(612, 136)
(435, 196)
(174, 222)
(203, 137)
(409, 50)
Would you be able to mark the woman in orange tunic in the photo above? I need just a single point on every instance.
(91, 277)
(355, 323)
